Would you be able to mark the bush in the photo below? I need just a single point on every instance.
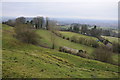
(103, 54)
(67, 38)
(74, 39)
(88, 42)
(116, 47)
(63, 37)
(25, 34)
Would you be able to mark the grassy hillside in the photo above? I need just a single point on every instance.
(46, 40)
(22, 60)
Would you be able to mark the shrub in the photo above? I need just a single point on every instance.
(63, 37)
(88, 42)
(103, 54)
(25, 34)
(74, 39)
(116, 47)
(81, 40)
(67, 38)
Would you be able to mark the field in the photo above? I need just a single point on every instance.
(22, 60)
(46, 40)
(70, 34)
(112, 39)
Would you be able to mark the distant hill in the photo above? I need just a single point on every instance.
(101, 23)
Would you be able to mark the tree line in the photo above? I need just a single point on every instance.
(92, 30)
(36, 22)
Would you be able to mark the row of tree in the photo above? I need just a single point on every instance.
(36, 22)
(95, 31)
(84, 29)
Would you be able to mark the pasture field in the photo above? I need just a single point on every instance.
(112, 39)
(70, 34)
(22, 60)
(46, 40)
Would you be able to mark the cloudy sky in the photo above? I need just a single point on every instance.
(85, 9)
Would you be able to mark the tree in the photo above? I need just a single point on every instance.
(84, 29)
(27, 22)
(103, 54)
(31, 22)
(20, 20)
(106, 32)
(95, 32)
(75, 27)
(70, 29)
(41, 22)
(52, 27)
(10, 22)
(38, 22)
(47, 21)
(25, 34)
(116, 47)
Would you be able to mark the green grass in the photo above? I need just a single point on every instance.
(70, 34)
(46, 40)
(22, 60)
(112, 39)
(65, 27)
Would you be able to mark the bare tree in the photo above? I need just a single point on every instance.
(52, 27)
(25, 34)
(47, 20)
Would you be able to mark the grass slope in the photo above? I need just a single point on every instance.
(46, 40)
(22, 60)
(112, 39)
(70, 34)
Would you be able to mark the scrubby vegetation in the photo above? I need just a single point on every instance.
(26, 34)
(30, 61)
(85, 41)
(103, 54)
(116, 47)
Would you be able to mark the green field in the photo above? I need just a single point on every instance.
(112, 39)
(46, 40)
(22, 60)
(70, 34)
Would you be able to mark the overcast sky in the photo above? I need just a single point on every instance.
(85, 9)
